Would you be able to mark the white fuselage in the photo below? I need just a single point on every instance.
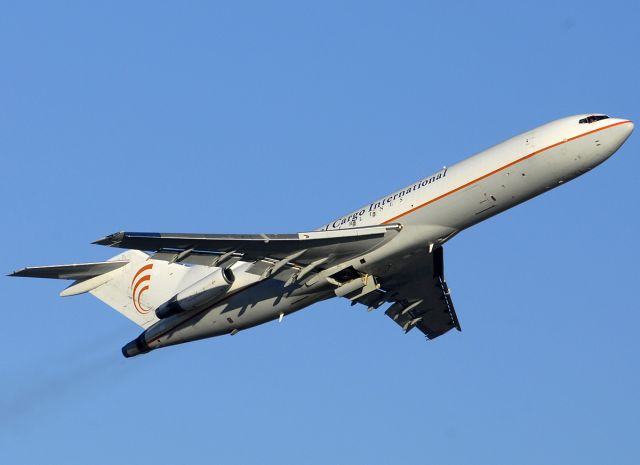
(513, 171)
(431, 211)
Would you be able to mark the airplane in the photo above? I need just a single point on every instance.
(390, 251)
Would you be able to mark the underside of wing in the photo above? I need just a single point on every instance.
(78, 271)
(419, 294)
(212, 249)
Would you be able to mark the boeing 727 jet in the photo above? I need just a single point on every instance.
(184, 287)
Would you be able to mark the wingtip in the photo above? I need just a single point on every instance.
(16, 273)
(112, 240)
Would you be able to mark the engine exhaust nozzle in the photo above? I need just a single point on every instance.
(136, 347)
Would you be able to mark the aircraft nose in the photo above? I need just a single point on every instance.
(625, 131)
(620, 132)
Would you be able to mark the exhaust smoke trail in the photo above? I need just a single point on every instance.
(36, 389)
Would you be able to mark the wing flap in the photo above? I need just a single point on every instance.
(419, 295)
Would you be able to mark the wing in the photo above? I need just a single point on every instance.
(306, 248)
(420, 295)
(79, 271)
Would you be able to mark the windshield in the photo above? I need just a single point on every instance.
(592, 119)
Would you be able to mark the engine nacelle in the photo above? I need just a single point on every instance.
(198, 295)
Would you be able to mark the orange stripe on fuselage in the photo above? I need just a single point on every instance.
(182, 323)
(500, 169)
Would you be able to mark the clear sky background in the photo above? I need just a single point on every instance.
(277, 117)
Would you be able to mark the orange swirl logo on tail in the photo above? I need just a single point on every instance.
(140, 284)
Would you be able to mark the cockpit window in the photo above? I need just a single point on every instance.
(592, 119)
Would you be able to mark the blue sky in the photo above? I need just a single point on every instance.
(277, 117)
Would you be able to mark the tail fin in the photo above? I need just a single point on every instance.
(132, 283)
(126, 291)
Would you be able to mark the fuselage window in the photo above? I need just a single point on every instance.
(592, 119)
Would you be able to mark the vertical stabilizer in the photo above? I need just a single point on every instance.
(138, 288)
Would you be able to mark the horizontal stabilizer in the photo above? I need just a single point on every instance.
(80, 271)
